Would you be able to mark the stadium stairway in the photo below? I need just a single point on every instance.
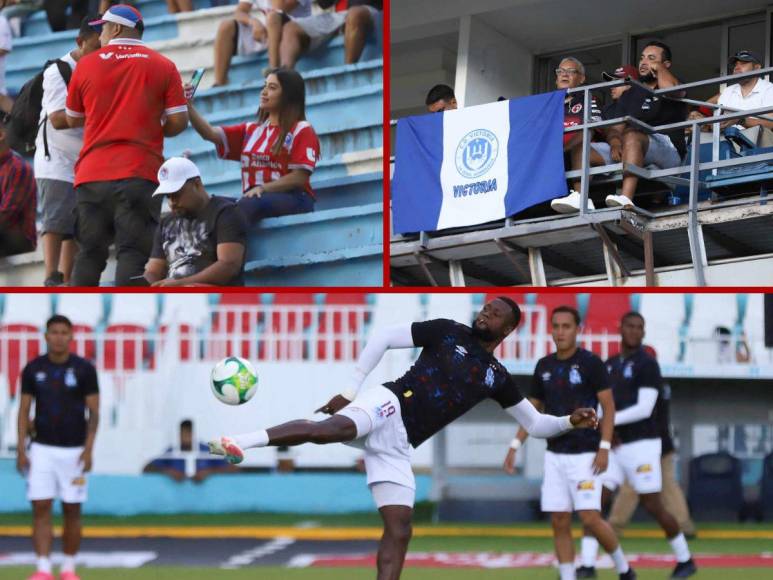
(340, 243)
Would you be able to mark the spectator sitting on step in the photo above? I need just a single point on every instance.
(172, 463)
(441, 98)
(202, 242)
(278, 152)
(570, 74)
(747, 94)
(356, 18)
(18, 200)
(246, 34)
(628, 143)
(176, 6)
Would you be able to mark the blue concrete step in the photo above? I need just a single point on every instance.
(318, 81)
(318, 231)
(352, 267)
(29, 54)
(37, 23)
(348, 191)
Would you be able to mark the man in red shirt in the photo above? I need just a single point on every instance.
(128, 98)
(18, 200)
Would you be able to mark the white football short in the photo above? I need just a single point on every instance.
(376, 412)
(639, 463)
(56, 472)
(569, 483)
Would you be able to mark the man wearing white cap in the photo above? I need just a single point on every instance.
(127, 97)
(202, 241)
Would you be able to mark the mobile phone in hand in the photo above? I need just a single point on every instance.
(198, 74)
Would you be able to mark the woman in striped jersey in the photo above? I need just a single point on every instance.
(278, 151)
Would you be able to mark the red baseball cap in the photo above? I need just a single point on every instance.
(622, 72)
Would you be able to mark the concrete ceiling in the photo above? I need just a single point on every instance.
(548, 25)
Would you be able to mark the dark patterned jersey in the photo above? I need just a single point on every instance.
(452, 374)
(60, 392)
(626, 376)
(565, 386)
(574, 115)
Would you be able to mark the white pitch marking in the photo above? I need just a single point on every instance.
(249, 556)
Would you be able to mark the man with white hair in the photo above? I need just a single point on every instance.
(570, 74)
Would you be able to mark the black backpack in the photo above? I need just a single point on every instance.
(24, 120)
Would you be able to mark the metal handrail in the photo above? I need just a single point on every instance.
(695, 165)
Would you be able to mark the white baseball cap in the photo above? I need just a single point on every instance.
(174, 173)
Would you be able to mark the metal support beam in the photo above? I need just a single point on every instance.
(456, 273)
(649, 260)
(509, 250)
(610, 247)
(536, 267)
(427, 274)
(695, 235)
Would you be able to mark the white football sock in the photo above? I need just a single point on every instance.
(621, 563)
(253, 439)
(566, 571)
(589, 549)
(679, 546)
(68, 563)
(44, 564)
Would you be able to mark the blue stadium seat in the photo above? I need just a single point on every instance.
(682, 192)
(715, 489)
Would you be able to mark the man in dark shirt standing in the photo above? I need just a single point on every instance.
(454, 372)
(636, 384)
(626, 499)
(568, 379)
(628, 143)
(203, 240)
(64, 386)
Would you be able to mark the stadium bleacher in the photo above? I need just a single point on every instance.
(340, 242)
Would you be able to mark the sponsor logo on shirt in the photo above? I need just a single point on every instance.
(79, 481)
(461, 350)
(489, 380)
(69, 378)
(106, 55)
(40, 376)
(644, 468)
(628, 370)
(546, 376)
(589, 485)
(574, 376)
(310, 154)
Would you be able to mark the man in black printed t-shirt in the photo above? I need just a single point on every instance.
(203, 240)
(629, 144)
(636, 384)
(64, 387)
(568, 379)
(455, 371)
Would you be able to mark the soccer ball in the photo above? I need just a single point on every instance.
(234, 380)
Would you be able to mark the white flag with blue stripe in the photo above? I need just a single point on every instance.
(477, 164)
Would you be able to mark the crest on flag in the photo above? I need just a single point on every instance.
(476, 153)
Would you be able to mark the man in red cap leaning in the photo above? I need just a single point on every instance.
(128, 98)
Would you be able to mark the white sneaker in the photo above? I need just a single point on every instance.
(228, 448)
(570, 203)
(618, 201)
